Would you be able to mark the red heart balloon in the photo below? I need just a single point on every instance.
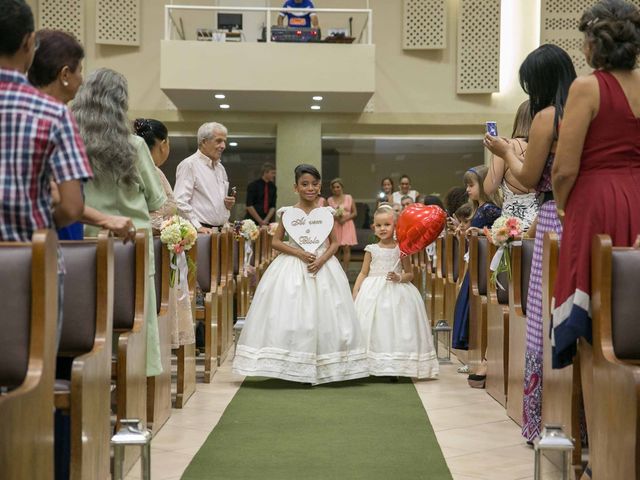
(418, 226)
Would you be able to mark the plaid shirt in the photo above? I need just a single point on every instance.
(39, 141)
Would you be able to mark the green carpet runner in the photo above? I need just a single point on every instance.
(363, 429)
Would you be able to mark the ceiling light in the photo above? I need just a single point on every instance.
(233, 144)
(317, 98)
(315, 107)
(219, 96)
(224, 106)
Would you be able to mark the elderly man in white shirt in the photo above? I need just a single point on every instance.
(202, 185)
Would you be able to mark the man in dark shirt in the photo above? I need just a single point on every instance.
(261, 196)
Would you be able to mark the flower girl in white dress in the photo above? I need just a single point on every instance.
(302, 325)
(390, 309)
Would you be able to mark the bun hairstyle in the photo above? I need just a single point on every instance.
(150, 130)
(612, 29)
(305, 168)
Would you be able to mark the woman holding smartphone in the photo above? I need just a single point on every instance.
(518, 201)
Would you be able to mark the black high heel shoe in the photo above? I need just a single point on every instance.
(476, 381)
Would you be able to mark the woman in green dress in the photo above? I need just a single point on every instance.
(125, 182)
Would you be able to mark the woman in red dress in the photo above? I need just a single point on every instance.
(596, 177)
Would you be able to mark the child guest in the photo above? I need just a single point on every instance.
(485, 213)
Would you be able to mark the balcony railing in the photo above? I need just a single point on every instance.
(172, 25)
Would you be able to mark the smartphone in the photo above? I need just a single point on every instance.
(234, 191)
(492, 128)
(382, 196)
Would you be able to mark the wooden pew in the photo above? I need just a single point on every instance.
(131, 267)
(478, 252)
(207, 271)
(159, 387)
(87, 331)
(521, 258)
(29, 297)
(241, 278)
(225, 297)
(612, 394)
(561, 390)
(186, 354)
(497, 383)
(438, 283)
(454, 260)
(429, 286)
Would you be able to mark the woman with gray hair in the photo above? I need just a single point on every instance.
(125, 181)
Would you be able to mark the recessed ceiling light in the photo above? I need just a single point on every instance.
(317, 98)
(233, 144)
(315, 107)
(224, 106)
(219, 96)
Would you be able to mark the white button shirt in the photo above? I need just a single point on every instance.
(201, 186)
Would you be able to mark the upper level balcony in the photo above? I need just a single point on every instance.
(256, 70)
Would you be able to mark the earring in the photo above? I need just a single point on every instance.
(65, 83)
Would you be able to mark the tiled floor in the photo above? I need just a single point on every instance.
(477, 438)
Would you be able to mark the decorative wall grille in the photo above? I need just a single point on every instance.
(424, 24)
(66, 15)
(118, 22)
(478, 69)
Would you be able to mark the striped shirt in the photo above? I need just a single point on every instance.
(39, 142)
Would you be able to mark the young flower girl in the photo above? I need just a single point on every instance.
(302, 325)
(390, 309)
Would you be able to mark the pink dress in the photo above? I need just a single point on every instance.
(346, 233)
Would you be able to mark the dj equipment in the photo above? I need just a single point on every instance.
(293, 34)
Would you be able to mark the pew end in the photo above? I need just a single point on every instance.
(612, 393)
(27, 356)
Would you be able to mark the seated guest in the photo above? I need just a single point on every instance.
(405, 190)
(261, 196)
(406, 201)
(298, 19)
(431, 200)
(454, 199)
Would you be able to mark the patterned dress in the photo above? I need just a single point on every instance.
(523, 206)
(548, 221)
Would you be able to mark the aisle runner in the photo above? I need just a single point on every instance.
(363, 429)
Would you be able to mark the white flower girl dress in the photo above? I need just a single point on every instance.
(302, 327)
(394, 321)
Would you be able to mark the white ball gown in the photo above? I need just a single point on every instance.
(394, 321)
(302, 327)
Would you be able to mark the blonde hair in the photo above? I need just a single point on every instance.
(383, 209)
(336, 180)
(522, 121)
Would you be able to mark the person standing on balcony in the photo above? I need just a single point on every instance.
(298, 19)
(261, 196)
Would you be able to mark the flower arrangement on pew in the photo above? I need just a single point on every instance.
(503, 233)
(179, 236)
(248, 230)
